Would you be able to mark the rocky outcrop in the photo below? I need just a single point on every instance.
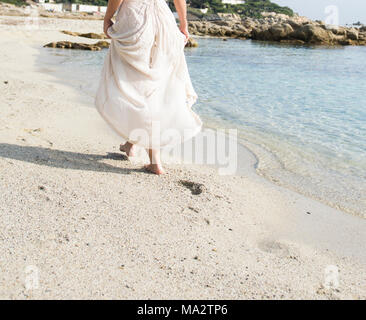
(80, 46)
(274, 32)
(100, 44)
(95, 46)
(313, 34)
(352, 34)
(218, 29)
(281, 28)
(90, 35)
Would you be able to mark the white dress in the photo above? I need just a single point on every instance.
(145, 92)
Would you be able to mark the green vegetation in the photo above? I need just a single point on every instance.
(251, 8)
(18, 3)
(195, 11)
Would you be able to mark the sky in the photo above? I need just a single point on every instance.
(348, 11)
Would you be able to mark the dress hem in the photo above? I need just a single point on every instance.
(190, 136)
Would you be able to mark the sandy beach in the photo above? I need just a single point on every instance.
(83, 222)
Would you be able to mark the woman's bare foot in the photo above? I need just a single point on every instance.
(154, 168)
(128, 148)
(155, 165)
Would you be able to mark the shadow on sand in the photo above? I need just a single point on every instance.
(64, 159)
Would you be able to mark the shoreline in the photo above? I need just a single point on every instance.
(77, 211)
(260, 153)
(244, 141)
(250, 159)
(247, 152)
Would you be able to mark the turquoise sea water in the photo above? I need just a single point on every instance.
(301, 110)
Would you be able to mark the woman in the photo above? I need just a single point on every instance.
(145, 92)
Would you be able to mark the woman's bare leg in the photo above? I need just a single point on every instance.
(128, 148)
(155, 165)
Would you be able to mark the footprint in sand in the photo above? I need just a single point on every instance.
(196, 188)
(36, 133)
(31, 131)
(274, 247)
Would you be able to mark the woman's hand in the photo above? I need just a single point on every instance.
(106, 25)
(183, 27)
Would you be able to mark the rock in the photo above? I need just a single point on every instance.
(312, 33)
(103, 44)
(92, 35)
(239, 26)
(224, 23)
(294, 24)
(261, 34)
(346, 42)
(203, 27)
(280, 31)
(337, 30)
(352, 34)
(192, 26)
(226, 31)
(241, 34)
(196, 23)
(191, 43)
(362, 36)
(320, 22)
(214, 31)
(73, 45)
(240, 31)
(276, 32)
(219, 31)
(71, 33)
(249, 23)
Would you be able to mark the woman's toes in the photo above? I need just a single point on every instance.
(153, 168)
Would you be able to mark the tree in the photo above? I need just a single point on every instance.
(252, 8)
